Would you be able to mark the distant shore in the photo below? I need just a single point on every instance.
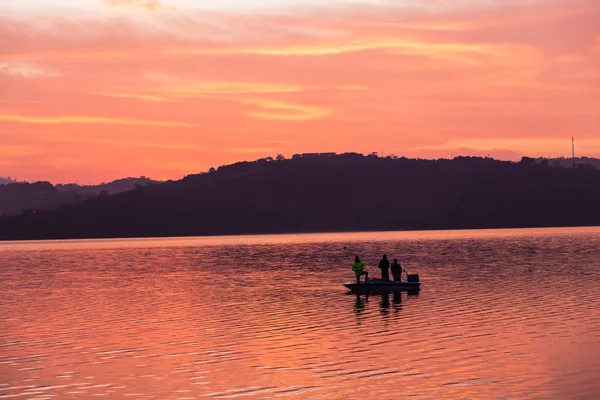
(334, 193)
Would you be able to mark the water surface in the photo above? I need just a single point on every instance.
(502, 314)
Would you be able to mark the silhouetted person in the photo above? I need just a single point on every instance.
(384, 266)
(396, 270)
(359, 269)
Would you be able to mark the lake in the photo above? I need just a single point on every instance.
(502, 314)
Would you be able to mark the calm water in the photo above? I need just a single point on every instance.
(507, 314)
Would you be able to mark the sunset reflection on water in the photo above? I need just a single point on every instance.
(501, 314)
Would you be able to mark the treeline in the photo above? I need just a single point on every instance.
(6, 180)
(117, 186)
(561, 162)
(18, 197)
(347, 192)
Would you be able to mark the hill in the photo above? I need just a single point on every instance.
(6, 180)
(118, 186)
(16, 198)
(577, 162)
(331, 193)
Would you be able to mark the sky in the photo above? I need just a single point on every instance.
(95, 90)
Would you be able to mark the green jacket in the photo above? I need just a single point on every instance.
(358, 266)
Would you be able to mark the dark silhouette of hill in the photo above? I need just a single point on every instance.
(335, 193)
(118, 186)
(577, 162)
(18, 197)
(5, 180)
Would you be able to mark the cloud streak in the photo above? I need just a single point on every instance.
(24, 70)
(148, 5)
(276, 110)
(89, 120)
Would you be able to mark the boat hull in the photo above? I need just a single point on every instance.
(383, 286)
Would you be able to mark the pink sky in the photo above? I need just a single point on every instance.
(96, 90)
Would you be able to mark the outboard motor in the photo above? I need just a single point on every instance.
(412, 278)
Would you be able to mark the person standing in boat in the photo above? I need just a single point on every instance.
(384, 266)
(359, 269)
(396, 270)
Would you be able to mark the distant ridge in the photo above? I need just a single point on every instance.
(16, 197)
(577, 162)
(6, 180)
(117, 186)
(348, 192)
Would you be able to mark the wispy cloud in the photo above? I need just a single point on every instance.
(552, 146)
(165, 145)
(278, 110)
(194, 89)
(148, 5)
(254, 150)
(24, 70)
(136, 96)
(89, 120)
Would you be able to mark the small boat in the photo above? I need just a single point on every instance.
(382, 286)
(412, 284)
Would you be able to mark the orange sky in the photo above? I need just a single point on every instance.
(94, 90)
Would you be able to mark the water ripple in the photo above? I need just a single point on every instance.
(502, 314)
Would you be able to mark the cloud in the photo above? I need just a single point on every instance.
(194, 89)
(20, 150)
(277, 110)
(136, 96)
(232, 91)
(128, 143)
(550, 146)
(255, 150)
(88, 120)
(148, 5)
(24, 70)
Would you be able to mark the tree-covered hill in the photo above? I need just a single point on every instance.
(331, 193)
